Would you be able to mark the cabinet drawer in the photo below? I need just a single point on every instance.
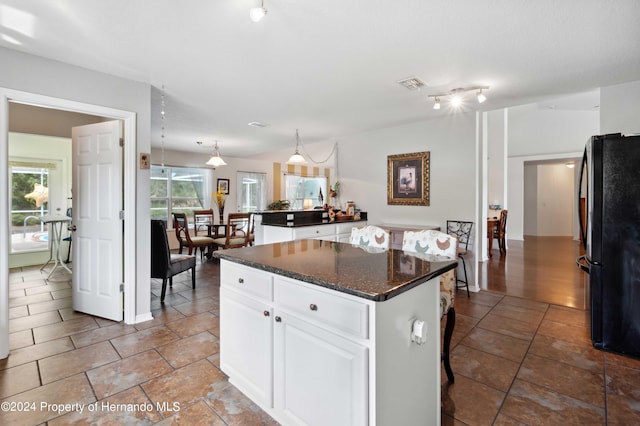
(325, 308)
(314, 231)
(345, 228)
(245, 279)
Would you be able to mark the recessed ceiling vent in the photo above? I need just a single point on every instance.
(411, 83)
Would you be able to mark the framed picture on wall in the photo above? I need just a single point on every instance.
(408, 179)
(223, 186)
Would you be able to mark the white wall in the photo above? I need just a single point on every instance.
(451, 143)
(556, 198)
(620, 108)
(496, 161)
(537, 134)
(45, 77)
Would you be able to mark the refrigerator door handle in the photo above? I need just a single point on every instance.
(583, 264)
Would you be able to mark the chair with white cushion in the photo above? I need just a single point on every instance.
(445, 246)
(370, 236)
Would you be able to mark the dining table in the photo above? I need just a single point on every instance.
(492, 225)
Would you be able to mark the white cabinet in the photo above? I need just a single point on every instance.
(246, 333)
(319, 356)
(309, 355)
(320, 377)
(266, 234)
(246, 330)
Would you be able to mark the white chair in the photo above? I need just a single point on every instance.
(444, 246)
(370, 236)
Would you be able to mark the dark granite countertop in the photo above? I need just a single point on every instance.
(375, 274)
(324, 222)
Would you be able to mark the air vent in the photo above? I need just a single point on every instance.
(411, 83)
(257, 124)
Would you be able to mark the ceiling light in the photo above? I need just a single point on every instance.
(456, 100)
(215, 160)
(457, 95)
(481, 97)
(257, 13)
(297, 158)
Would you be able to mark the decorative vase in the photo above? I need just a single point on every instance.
(221, 213)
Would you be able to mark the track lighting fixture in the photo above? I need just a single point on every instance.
(481, 97)
(457, 95)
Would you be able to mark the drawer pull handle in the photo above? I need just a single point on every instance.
(313, 307)
(241, 280)
(266, 313)
(278, 319)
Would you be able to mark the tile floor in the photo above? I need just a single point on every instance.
(516, 362)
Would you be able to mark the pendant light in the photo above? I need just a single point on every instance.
(257, 13)
(297, 158)
(216, 160)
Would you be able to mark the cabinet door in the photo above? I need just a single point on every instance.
(246, 337)
(320, 378)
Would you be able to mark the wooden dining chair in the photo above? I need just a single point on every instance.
(500, 231)
(237, 232)
(443, 245)
(181, 226)
(202, 220)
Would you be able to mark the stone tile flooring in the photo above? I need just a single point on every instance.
(515, 361)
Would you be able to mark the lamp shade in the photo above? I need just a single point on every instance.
(297, 158)
(257, 13)
(216, 161)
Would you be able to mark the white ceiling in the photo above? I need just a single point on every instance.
(329, 67)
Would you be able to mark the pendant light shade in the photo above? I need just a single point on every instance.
(297, 158)
(216, 160)
(257, 13)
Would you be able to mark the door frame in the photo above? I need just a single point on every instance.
(129, 169)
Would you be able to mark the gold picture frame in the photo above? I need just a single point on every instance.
(408, 179)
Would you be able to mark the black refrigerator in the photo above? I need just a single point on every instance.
(611, 235)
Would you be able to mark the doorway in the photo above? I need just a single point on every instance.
(8, 96)
(550, 198)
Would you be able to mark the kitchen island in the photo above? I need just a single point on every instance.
(326, 333)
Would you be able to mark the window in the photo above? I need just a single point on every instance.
(178, 190)
(28, 233)
(305, 191)
(251, 192)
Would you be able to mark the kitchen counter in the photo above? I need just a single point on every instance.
(374, 275)
(322, 333)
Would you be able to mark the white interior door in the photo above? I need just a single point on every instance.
(97, 203)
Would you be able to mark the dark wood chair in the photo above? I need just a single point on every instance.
(202, 221)
(500, 231)
(201, 242)
(164, 264)
(237, 232)
(462, 231)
